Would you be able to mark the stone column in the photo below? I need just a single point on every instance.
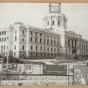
(27, 43)
(70, 42)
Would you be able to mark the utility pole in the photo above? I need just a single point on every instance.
(7, 65)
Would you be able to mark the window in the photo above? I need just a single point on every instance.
(22, 39)
(36, 47)
(44, 36)
(58, 50)
(31, 32)
(54, 42)
(7, 47)
(41, 54)
(15, 47)
(72, 43)
(40, 34)
(36, 54)
(4, 39)
(68, 42)
(23, 47)
(48, 54)
(15, 38)
(57, 42)
(14, 53)
(36, 33)
(48, 49)
(30, 39)
(82, 46)
(44, 41)
(40, 40)
(41, 48)
(47, 41)
(80, 51)
(51, 42)
(47, 22)
(0, 39)
(1, 48)
(31, 47)
(2, 32)
(75, 43)
(69, 51)
(58, 22)
(54, 49)
(4, 47)
(23, 32)
(15, 32)
(5, 32)
(47, 36)
(52, 22)
(51, 49)
(31, 54)
(6, 53)
(44, 48)
(35, 39)
(7, 37)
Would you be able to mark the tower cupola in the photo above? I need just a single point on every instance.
(55, 21)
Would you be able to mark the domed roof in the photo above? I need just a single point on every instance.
(62, 15)
(59, 14)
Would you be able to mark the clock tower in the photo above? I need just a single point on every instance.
(55, 20)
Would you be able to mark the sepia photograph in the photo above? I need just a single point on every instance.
(43, 44)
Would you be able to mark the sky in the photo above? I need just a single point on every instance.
(33, 13)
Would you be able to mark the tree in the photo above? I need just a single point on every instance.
(74, 50)
(15, 60)
(4, 59)
(10, 59)
(24, 56)
(74, 53)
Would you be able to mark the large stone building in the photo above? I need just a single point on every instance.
(52, 41)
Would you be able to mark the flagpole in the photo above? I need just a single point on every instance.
(7, 64)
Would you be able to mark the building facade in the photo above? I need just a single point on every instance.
(33, 42)
(51, 41)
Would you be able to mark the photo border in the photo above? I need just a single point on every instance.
(43, 1)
